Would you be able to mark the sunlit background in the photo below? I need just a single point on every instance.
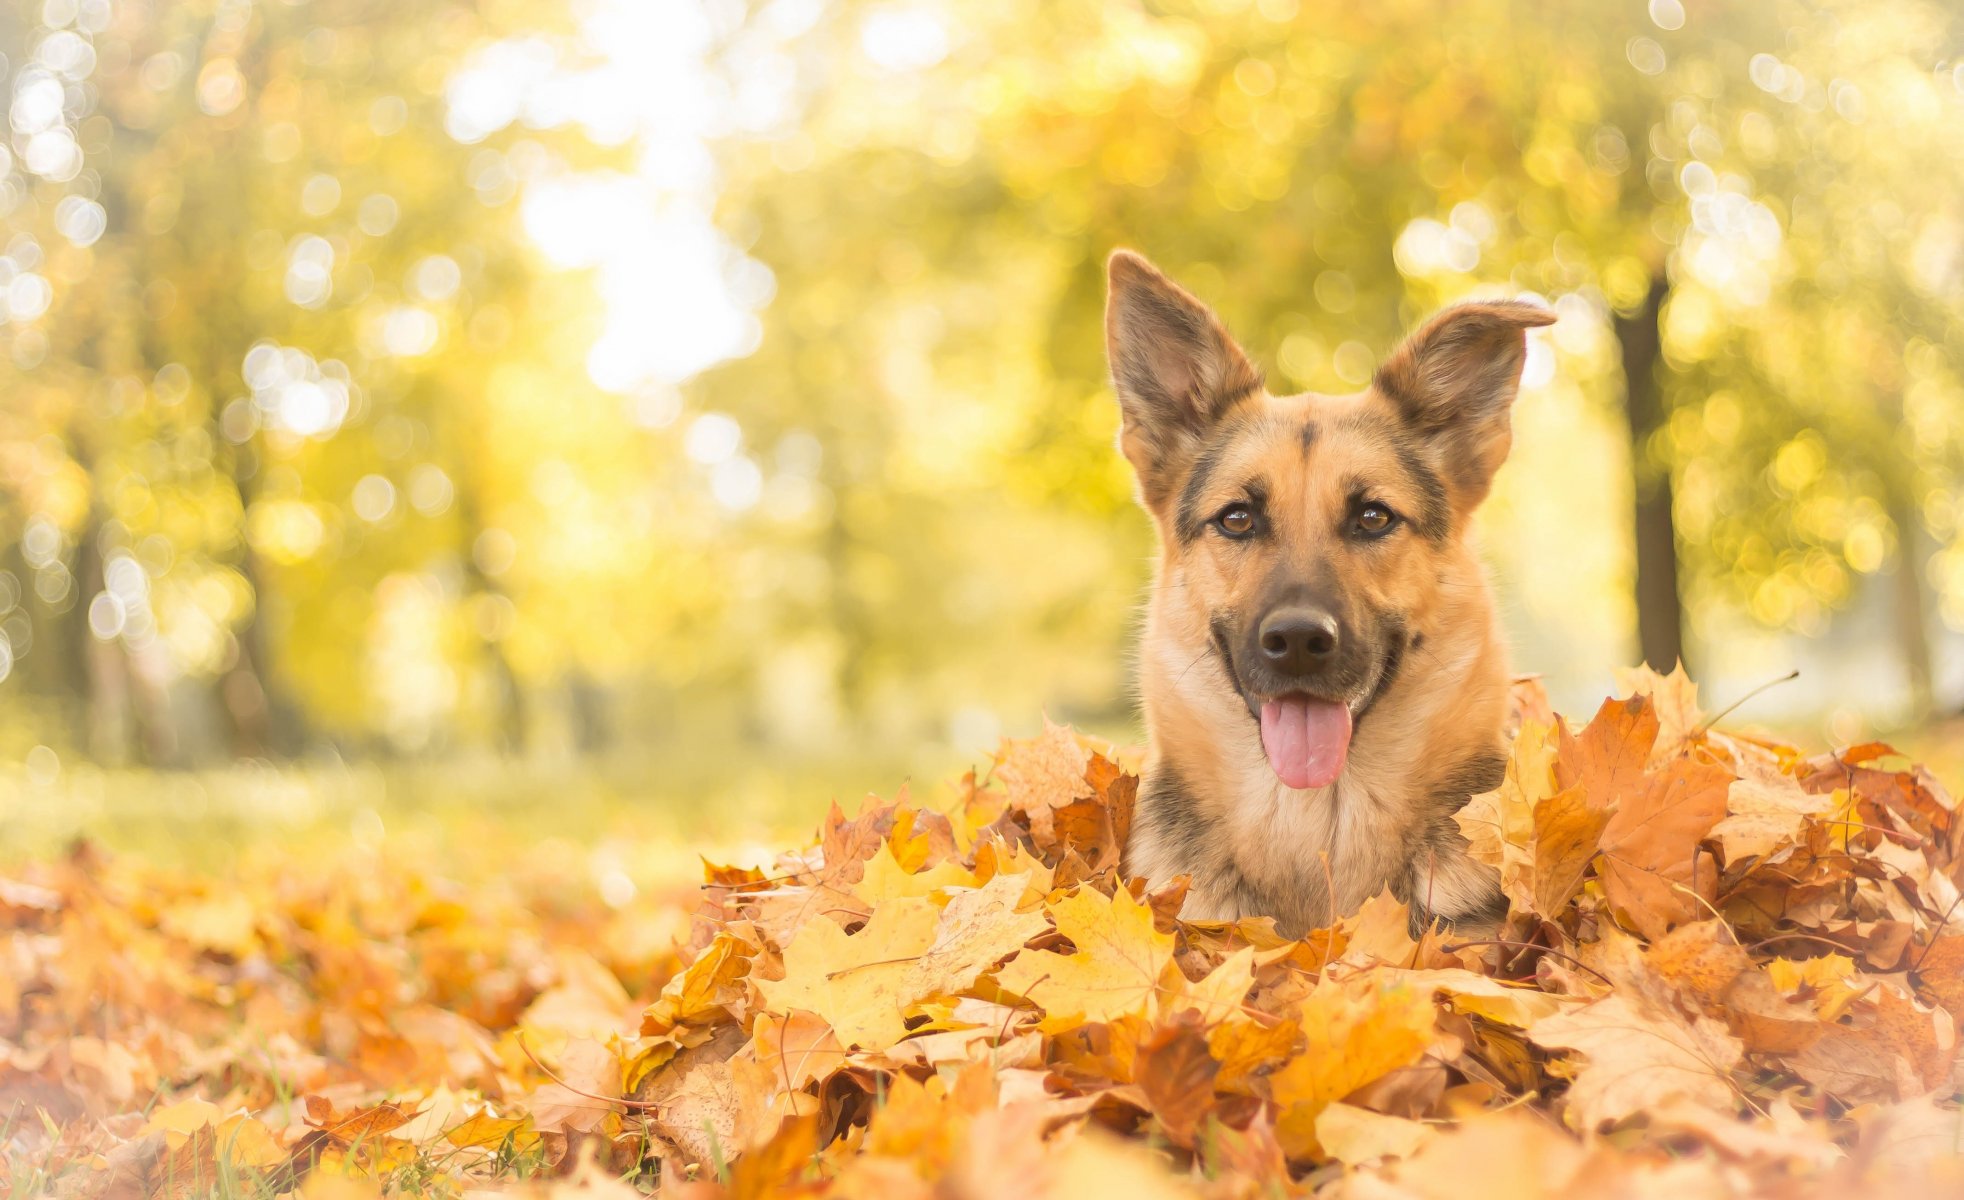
(522, 406)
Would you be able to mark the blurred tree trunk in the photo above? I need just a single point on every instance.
(1912, 614)
(1660, 613)
(263, 721)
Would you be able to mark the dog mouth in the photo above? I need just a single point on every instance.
(1306, 738)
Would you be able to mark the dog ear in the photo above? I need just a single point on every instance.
(1454, 383)
(1174, 367)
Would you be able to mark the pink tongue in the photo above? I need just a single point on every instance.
(1306, 739)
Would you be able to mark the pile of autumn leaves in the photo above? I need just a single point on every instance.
(1729, 969)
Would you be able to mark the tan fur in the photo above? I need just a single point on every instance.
(1212, 807)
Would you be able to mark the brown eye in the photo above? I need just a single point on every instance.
(1374, 519)
(1237, 521)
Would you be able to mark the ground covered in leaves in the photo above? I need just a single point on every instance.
(1730, 969)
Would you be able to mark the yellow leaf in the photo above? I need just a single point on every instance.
(977, 930)
(245, 1142)
(885, 879)
(702, 992)
(485, 1130)
(184, 1117)
(1220, 994)
(1355, 1032)
(225, 923)
(1380, 931)
(858, 983)
(1115, 971)
(1490, 998)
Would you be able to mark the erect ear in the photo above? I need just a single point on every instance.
(1454, 383)
(1174, 367)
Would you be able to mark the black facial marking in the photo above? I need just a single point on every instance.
(1433, 520)
(1191, 521)
(1387, 386)
(1308, 435)
(1395, 645)
(1172, 803)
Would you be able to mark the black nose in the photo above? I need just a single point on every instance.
(1297, 641)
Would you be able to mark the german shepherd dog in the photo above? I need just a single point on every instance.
(1323, 677)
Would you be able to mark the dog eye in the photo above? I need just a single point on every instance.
(1375, 520)
(1236, 520)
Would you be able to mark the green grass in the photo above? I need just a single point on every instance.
(205, 819)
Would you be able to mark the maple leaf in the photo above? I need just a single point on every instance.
(1354, 1032)
(1650, 842)
(858, 982)
(1046, 773)
(1674, 698)
(1639, 1057)
(1116, 969)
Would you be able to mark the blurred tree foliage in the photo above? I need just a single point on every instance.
(360, 379)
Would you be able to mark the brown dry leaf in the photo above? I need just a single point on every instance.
(1606, 760)
(1650, 845)
(1175, 1071)
(1639, 1057)
(589, 1085)
(1650, 841)
(1709, 968)
(1354, 1032)
(860, 982)
(1939, 971)
(1115, 971)
(1892, 1050)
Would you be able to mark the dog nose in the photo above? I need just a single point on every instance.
(1296, 641)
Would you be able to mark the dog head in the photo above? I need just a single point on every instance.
(1308, 540)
